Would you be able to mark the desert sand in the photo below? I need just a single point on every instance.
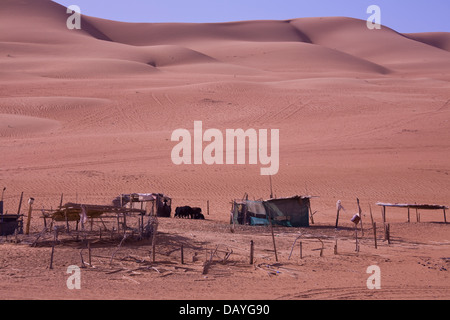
(362, 114)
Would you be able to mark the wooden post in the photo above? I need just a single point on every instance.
(310, 213)
(45, 219)
(321, 249)
(125, 222)
(335, 247)
(67, 220)
(337, 216)
(301, 250)
(82, 260)
(270, 180)
(375, 234)
(371, 216)
(53, 249)
(139, 227)
(89, 252)
(207, 207)
(360, 217)
(387, 233)
(273, 238)
(445, 218)
(408, 216)
(20, 203)
(30, 205)
(182, 254)
(251, 251)
(154, 246)
(356, 238)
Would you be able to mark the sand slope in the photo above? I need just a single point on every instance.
(361, 113)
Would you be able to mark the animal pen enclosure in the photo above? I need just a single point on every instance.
(153, 203)
(115, 220)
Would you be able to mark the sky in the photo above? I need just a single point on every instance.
(400, 15)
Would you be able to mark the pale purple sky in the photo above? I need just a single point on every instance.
(401, 15)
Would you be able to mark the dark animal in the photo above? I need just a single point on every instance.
(197, 214)
(189, 213)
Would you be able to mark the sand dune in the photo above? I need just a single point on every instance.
(361, 113)
(349, 36)
(439, 40)
(19, 126)
(143, 34)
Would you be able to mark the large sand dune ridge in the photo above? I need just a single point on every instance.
(89, 113)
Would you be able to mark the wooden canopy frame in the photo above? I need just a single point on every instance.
(412, 206)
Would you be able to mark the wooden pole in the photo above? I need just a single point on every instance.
(154, 246)
(20, 203)
(371, 216)
(207, 207)
(337, 216)
(82, 260)
(271, 193)
(251, 251)
(30, 205)
(375, 234)
(360, 217)
(311, 213)
(387, 233)
(53, 249)
(408, 216)
(301, 250)
(125, 221)
(45, 219)
(182, 254)
(89, 252)
(321, 249)
(67, 220)
(445, 218)
(273, 239)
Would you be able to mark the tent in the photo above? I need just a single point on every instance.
(291, 212)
